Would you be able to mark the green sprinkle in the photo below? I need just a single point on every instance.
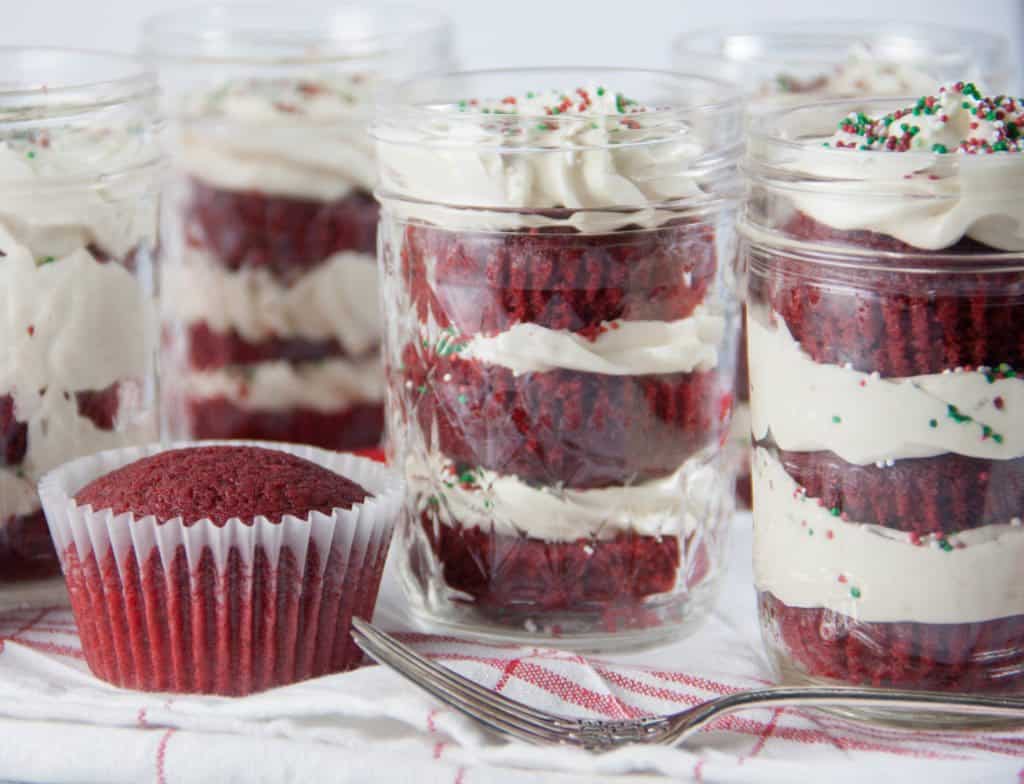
(940, 148)
(836, 418)
(600, 91)
(835, 511)
(933, 423)
(810, 532)
(997, 437)
(462, 399)
(31, 154)
(855, 592)
(434, 500)
(945, 545)
(422, 388)
(45, 260)
(954, 413)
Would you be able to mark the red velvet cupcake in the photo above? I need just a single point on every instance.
(223, 569)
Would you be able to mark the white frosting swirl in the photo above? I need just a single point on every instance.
(296, 138)
(622, 348)
(808, 406)
(920, 196)
(807, 557)
(671, 506)
(604, 160)
(327, 386)
(335, 299)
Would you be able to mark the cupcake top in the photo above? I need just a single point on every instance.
(596, 156)
(220, 483)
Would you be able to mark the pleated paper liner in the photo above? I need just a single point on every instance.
(229, 609)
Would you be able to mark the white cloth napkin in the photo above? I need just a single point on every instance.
(59, 724)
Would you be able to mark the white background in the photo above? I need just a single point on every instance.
(528, 32)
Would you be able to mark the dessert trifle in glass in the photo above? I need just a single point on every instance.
(796, 62)
(885, 263)
(559, 346)
(271, 327)
(78, 209)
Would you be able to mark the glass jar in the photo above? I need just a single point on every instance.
(271, 327)
(559, 334)
(885, 302)
(79, 168)
(787, 64)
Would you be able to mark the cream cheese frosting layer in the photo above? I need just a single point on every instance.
(623, 348)
(54, 201)
(806, 557)
(296, 138)
(337, 299)
(802, 405)
(70, 323)
(326, 386)
(18, 495)
(670, 506)
(590, 152)
(923, 191)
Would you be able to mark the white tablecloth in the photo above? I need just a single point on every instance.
(59, 724)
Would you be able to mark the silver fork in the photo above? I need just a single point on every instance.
(520, 721)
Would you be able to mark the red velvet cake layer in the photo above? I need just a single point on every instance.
(483, 282)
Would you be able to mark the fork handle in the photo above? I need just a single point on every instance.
(686, 723)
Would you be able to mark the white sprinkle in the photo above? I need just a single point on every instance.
(447, 377)
(890, 463)
(408, 384)
(530, 626)
(958, 370)
(946, 372)
(879, 464)
(588, 549)
(848, 366)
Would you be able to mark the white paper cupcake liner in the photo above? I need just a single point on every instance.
(226, 609)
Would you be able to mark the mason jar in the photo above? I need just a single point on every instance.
(787, 64)
(78, 212)
(885, 314)
(270, 319)
(560, 340)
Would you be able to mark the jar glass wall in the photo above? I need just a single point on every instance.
(559, 331)
(78, 213)
(884, 311)
(271, 327)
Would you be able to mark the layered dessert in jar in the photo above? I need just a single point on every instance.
(885, 295)
(820, 60)
(559, 348)
(78, 185)
(271, 326)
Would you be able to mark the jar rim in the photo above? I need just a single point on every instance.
(852, 257)
(836, 36)
(414, 102)
(270, 35)
(130, 79)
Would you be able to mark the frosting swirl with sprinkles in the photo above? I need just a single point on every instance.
(957, 120)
